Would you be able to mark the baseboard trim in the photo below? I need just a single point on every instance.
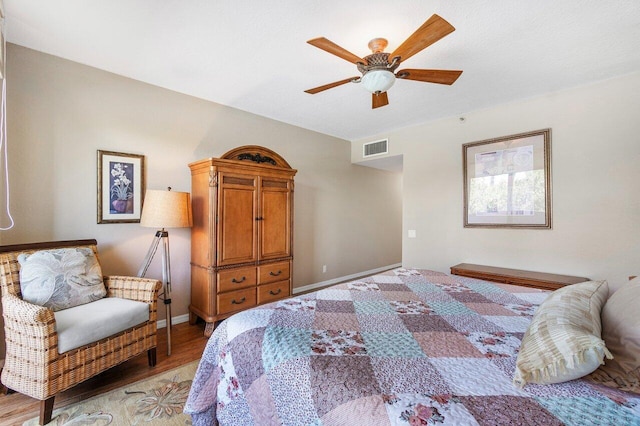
(174, 320)
(332, 281)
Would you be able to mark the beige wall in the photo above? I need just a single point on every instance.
(595, 176)
(60, 113)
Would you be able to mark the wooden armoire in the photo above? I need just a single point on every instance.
(242, 234)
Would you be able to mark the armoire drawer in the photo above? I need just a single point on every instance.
(236, 300)
(273, 272)
(236, 279)
(274, 291)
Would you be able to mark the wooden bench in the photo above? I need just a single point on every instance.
(516, 276)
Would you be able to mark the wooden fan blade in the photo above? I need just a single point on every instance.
(431, 31)
(331, 47)
(331, 85)
(430, 76)
(379, 100)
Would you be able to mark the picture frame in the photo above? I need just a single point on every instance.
(121, 187)
(507, 181)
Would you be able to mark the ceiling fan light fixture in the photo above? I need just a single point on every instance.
(378, 69)
(378, 81)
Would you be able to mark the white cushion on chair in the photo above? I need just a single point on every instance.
(93, 321)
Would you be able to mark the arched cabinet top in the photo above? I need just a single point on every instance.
(256, 154)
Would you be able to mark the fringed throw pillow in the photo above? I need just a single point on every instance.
(563, 341)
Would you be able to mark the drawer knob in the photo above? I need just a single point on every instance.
(236, 302)
(274, 293)
(275, 274)
(238, 282)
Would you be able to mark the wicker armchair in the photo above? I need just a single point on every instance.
(33, 365)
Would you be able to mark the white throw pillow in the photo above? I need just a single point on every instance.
(61, 278)
(621, 332)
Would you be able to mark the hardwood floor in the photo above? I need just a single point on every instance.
(188, 342)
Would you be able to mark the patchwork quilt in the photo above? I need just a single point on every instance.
(406, 347)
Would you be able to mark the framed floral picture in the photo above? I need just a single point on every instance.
(120, 187)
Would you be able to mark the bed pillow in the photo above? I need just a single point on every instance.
(61, 278)
(563, 341)
(621, 333)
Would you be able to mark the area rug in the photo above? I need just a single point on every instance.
(157, 400)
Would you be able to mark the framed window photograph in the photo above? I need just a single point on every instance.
(120, 187)
(507, 181)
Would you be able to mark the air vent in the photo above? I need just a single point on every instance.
(375, 148)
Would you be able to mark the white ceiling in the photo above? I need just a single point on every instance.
(252, 54)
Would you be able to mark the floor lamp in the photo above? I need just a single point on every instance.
(164, 209)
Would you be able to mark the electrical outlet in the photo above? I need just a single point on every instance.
(324, 269)
(411, 233)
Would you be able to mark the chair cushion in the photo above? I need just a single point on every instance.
(563, 341)
(61, 278)
(84, 324)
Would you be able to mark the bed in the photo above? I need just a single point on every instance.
(405, 347)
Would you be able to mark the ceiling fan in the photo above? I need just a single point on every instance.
(379, 68)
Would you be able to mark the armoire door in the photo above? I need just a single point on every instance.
(275, 218)
(236, 222)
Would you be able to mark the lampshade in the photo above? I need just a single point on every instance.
(166, 209)
(378, 81)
